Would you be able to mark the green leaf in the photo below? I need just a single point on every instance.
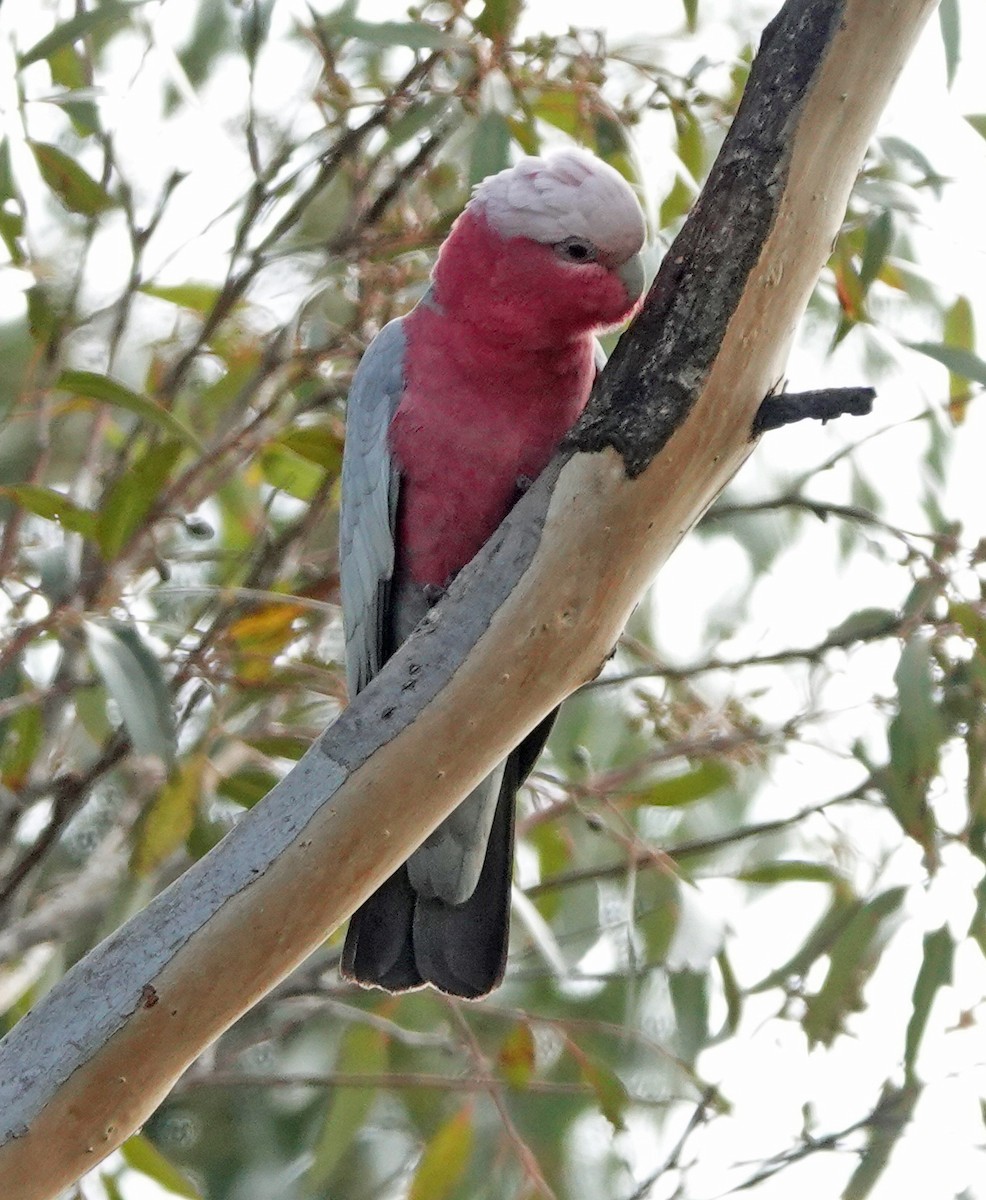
(133, 495)
(977, 926)
(445, 1158)
(560, 109)
(690, 999)
(52, 506)
(609, 1088)
(972, 622)
(889, 1120)
(852, 959)
(951, 36)
(362, 1051)
(732, 993)
(417, 118)
(490, 147)
(524, 133)
(74, 186)
(416, 35)
(611, 144)
(820, 940)
(316, 443)
(41, 315)
(133, 677)
(281, 746)
(864, 625)
(8, 190)
(290, 472)
(879, 236)
(789, 871)
(254, 26)
(691, 141)
(142, 1155)
(915, 737)
(21, 738)
(677, 202)
(68, 72)
(498, 18)
(247, 786)
(959, 361)
(199, 297)
(700, 781)
(691, 14)
(110, 1187)
(978, 122)
(168, 821)
(100, 387)
(935, 972)
(108, 13)
(11, 230)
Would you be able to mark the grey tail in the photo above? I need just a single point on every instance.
(399, 940)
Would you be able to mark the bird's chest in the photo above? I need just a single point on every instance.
(468, 439)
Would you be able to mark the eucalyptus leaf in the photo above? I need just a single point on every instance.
(133, 677)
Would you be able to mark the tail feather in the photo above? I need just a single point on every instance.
(462, 948)
(399, 939)
(379, 948)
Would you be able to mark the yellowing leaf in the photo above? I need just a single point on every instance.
(265, 624)
(168, 821)
(516, 1057)
(445, 1158)
(960, 331)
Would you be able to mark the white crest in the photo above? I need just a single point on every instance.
(570, 194)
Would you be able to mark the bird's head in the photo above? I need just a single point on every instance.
(546, 250)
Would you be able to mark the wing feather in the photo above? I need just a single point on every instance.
(368, 517)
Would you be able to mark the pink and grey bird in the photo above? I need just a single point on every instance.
(453, 409)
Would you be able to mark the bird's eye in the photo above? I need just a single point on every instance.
(576, 250)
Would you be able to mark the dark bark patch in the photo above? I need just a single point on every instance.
(660, 365)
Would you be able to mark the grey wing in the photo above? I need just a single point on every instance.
(368, 516)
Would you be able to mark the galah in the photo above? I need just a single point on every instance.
(453, 410)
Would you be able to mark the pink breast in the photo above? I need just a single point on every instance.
(472, 422)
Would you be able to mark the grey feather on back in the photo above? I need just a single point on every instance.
(367, 521)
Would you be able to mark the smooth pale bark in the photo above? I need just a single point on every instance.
(524, 625)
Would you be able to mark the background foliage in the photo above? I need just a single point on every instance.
(751, 924)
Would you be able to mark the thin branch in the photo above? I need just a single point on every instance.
(397, 1081)
(697, 1119)
(889, 627)
(692, 849)
(494, 1088)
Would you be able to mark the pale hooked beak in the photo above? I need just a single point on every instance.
(632, 274)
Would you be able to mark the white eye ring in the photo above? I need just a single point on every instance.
(576, 250)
